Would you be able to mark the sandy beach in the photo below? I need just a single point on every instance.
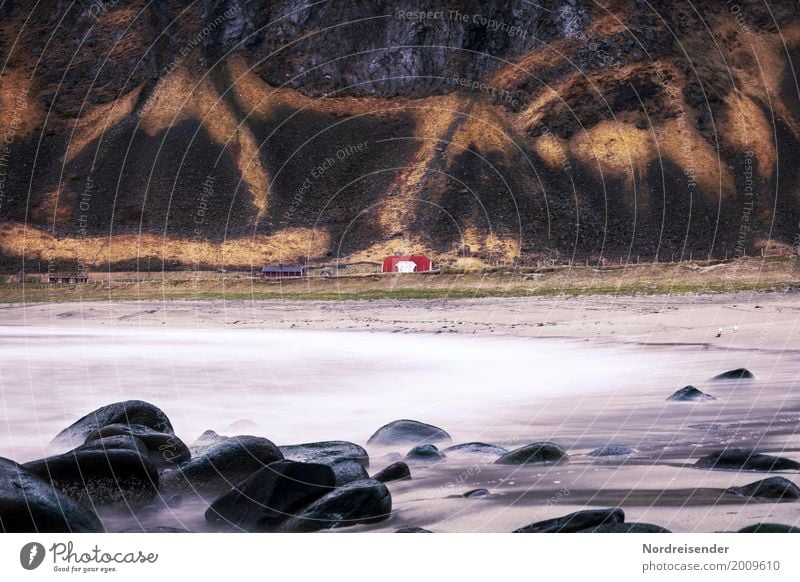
(763, 319)
(580, 372)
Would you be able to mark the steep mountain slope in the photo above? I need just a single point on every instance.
(230, 132)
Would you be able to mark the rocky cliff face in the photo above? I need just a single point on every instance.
(235, 131)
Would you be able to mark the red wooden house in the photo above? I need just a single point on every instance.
(406, 264)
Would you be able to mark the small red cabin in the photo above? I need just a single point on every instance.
(406, 264)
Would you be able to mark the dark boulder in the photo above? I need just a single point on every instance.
(164, 449)
(100, 476)
(222, 465)
(475, 493)
(612, 451)
(476, 449)
(425, 454)
(155, 529)
(347, 470)
(326, 452)
(745, 460)
(115, 442)
(632, 527)
(205, 441)
(772, 489)
(690, 394)
(408, 432)
(533, 454)
(769, 528)
(127, 412)
(395, 472)
(269, 496)
(574, 522)
(737, 374)
(366, 501)
(29, 504)
(412, 530)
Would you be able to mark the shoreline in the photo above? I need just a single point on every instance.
(747, 320)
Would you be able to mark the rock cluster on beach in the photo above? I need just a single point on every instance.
(126, 455)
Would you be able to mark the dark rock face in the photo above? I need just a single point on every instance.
(366, 501)
(574, 522)
(690, 394)
(745, 460)
(737, 374)
(772, 489)
(412, 530)
(100, 476)
(271, 495)
(408, 432)
(222, 465)
(425, 454)
(29, 504)
(127, 412)
(395, 472)
(534, 453)
(474, 493)
(612, 451)
(769, 528)
(632, 527)
(476, 449)
(164, 449)
(348, 470)
(326, 452)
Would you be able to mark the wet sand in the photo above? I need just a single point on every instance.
(634, 352)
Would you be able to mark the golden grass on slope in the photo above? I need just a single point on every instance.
(98, 119)
(286, 246)
(20, 112)
(614, 146)
(749, 129)
(553, 150)
(180, 96)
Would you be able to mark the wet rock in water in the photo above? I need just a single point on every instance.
(29, 504)
(574, 522)
(425, 454)
(412, 530)
(115, 442)
(476, 493)
(769, 528)
(126, 412)
(326, 452)
(612, 451)
(271, 495)
(476, 449)
(408, 432)
(205, 441)
(534, 453)
(745, 460)
(100, 476)
(164, 449)
(690, 394)
(366, 501)
(395, 472)
(737, 374)
(155, 529)
(222, 465)
(772, 489)
(632, 527)
(347, 470)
